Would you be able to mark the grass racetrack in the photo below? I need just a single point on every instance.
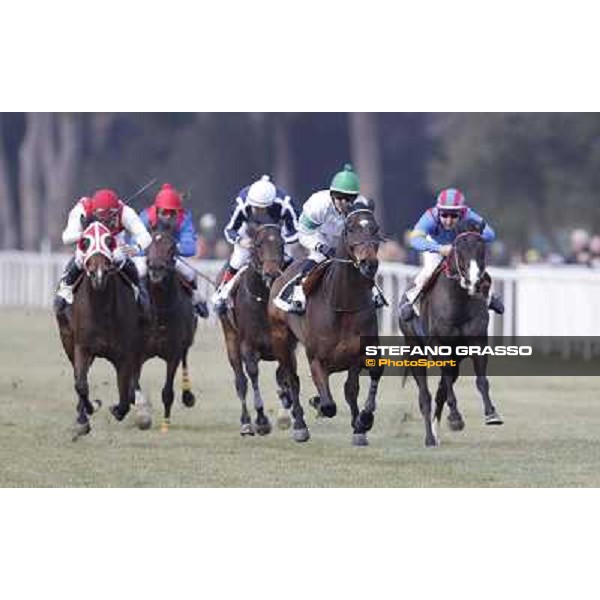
(550, 436)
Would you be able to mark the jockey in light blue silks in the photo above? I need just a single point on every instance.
(260, 202)
(169, 211)
(321, 227)
(433, 235)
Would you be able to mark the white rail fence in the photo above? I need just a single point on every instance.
(540, 301)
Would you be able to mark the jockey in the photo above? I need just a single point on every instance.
(104, 206)
(168, 211)
(321, 226)
(260, 202)
(433, 235)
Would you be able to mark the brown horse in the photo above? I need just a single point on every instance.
(339, 310)
(105, 322)
(246, 324)
(454, 312)
(171, 331)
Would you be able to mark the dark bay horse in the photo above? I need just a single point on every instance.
(105, 322)
(171, 330)
(454, 312)
(339, 310)
(246, 325)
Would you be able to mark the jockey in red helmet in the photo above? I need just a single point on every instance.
(433, 235)
(103, 206)
(168, 211)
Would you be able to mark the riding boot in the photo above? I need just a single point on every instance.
(64, 293)
(219, 298)
(496, 304)
(199, 304)
(291, 298)
(143, 299)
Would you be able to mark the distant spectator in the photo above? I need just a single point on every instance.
(391, 251)
(595, 252)
(580, 253)
(222, 250)
(207, 238)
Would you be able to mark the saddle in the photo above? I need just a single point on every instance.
(314, 277)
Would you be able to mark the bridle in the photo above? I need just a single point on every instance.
(374, 241)
(452, 260)
(257, 264)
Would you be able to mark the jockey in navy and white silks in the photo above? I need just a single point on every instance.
(121, 220)
(260, 202)
(168, 211)
(321, 226)
(434, 234)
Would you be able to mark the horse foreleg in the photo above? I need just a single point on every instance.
(420, 376)
(283, 348)
(366, 417)
(81, 364)
(455, 420)
(262, 424)
(241, 383)
(126, 381)
(320, 377)
(187, 396)
(168, 394)
(483, 385)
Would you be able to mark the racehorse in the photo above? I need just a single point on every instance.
(454, 311)
(171, 331)
(105, 322)
(246, 325)
(339, 310)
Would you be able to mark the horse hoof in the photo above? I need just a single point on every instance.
(116, 413)
(494, 419)
(283, 419)
(188, 398)
(246, 429)
(328, 410)
(360, 439)
(143, 420)
(80, 430)
(456, 424)
(165, 426)
(301, 435)
(431, 442)
(365, 420)
(315, 402)
(286, 400)
(263, 428)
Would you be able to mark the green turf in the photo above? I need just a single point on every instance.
(550, 437)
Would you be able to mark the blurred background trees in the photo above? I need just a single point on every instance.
(534, 176)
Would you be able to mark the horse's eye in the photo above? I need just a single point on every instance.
(84, 244)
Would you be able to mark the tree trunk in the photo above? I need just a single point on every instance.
(8, 226)
(31, 187)
(366, 156)
(61, 158)
(283, 159)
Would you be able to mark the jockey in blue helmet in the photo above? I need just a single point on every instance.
(433, 235)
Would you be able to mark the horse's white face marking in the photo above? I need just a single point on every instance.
(473, 276)
(364, 223)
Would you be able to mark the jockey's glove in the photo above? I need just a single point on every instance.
(325, 250)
